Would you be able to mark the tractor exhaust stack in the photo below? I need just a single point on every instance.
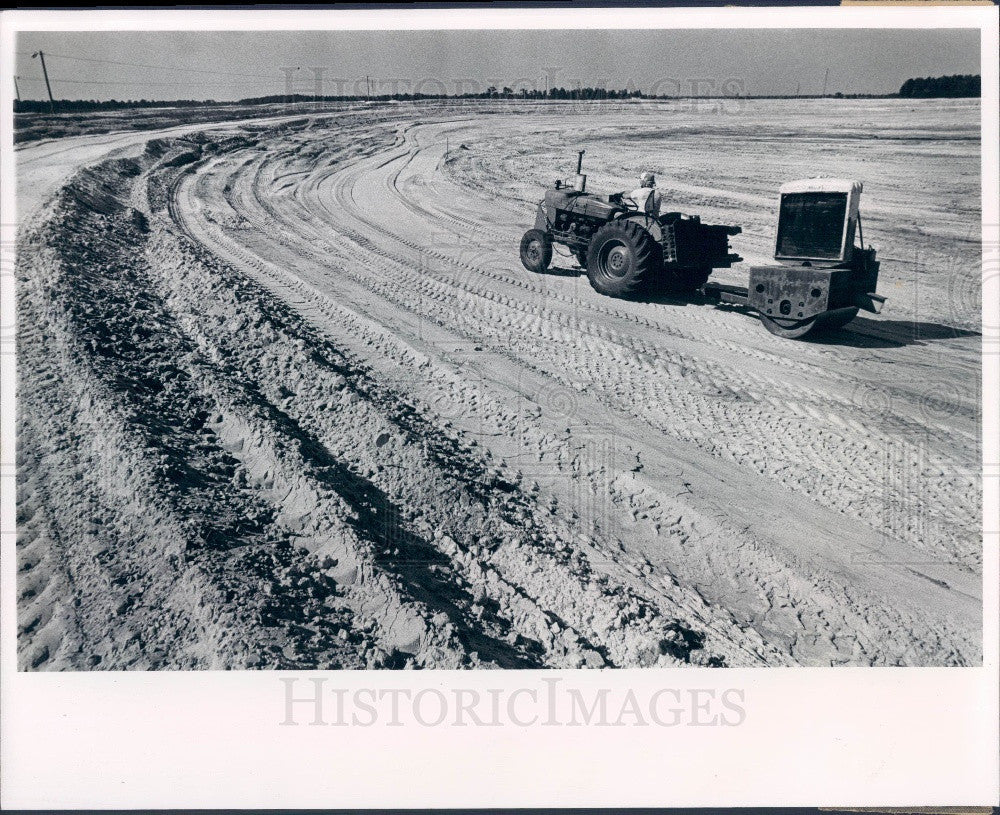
(580, 182)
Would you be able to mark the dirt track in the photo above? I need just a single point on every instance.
(288, 399)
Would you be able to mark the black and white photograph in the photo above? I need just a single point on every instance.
(431, 349)
(587, 367)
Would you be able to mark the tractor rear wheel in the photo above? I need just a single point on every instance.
(536, 250)
(622, 259)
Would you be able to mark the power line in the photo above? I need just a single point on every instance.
(157, 67)
(143, 84)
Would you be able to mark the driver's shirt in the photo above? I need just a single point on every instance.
(647, 199)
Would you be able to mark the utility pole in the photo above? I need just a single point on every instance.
(825, 78)
(368, 89)
(52, 105)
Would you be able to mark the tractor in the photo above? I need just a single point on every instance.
(623, 249)
(822, 278)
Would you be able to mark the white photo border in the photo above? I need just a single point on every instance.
(808, 737)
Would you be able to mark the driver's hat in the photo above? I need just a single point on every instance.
(647, 179)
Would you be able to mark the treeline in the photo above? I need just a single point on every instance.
(562, 93)
(942, 86)
(582, 94)
(489, 93)
(959, 85)
(84, 105)
(78, 105)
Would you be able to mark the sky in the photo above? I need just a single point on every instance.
(235, 65)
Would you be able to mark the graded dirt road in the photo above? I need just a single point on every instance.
(289, 399)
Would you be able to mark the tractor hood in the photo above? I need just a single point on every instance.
(581, 203)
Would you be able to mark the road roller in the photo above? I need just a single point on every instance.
(823, 275)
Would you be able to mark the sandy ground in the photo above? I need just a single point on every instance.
(288, 399)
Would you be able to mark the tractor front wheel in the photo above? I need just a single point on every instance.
(622, 259)
(536, 250)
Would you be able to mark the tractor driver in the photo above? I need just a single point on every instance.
(646, 197)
